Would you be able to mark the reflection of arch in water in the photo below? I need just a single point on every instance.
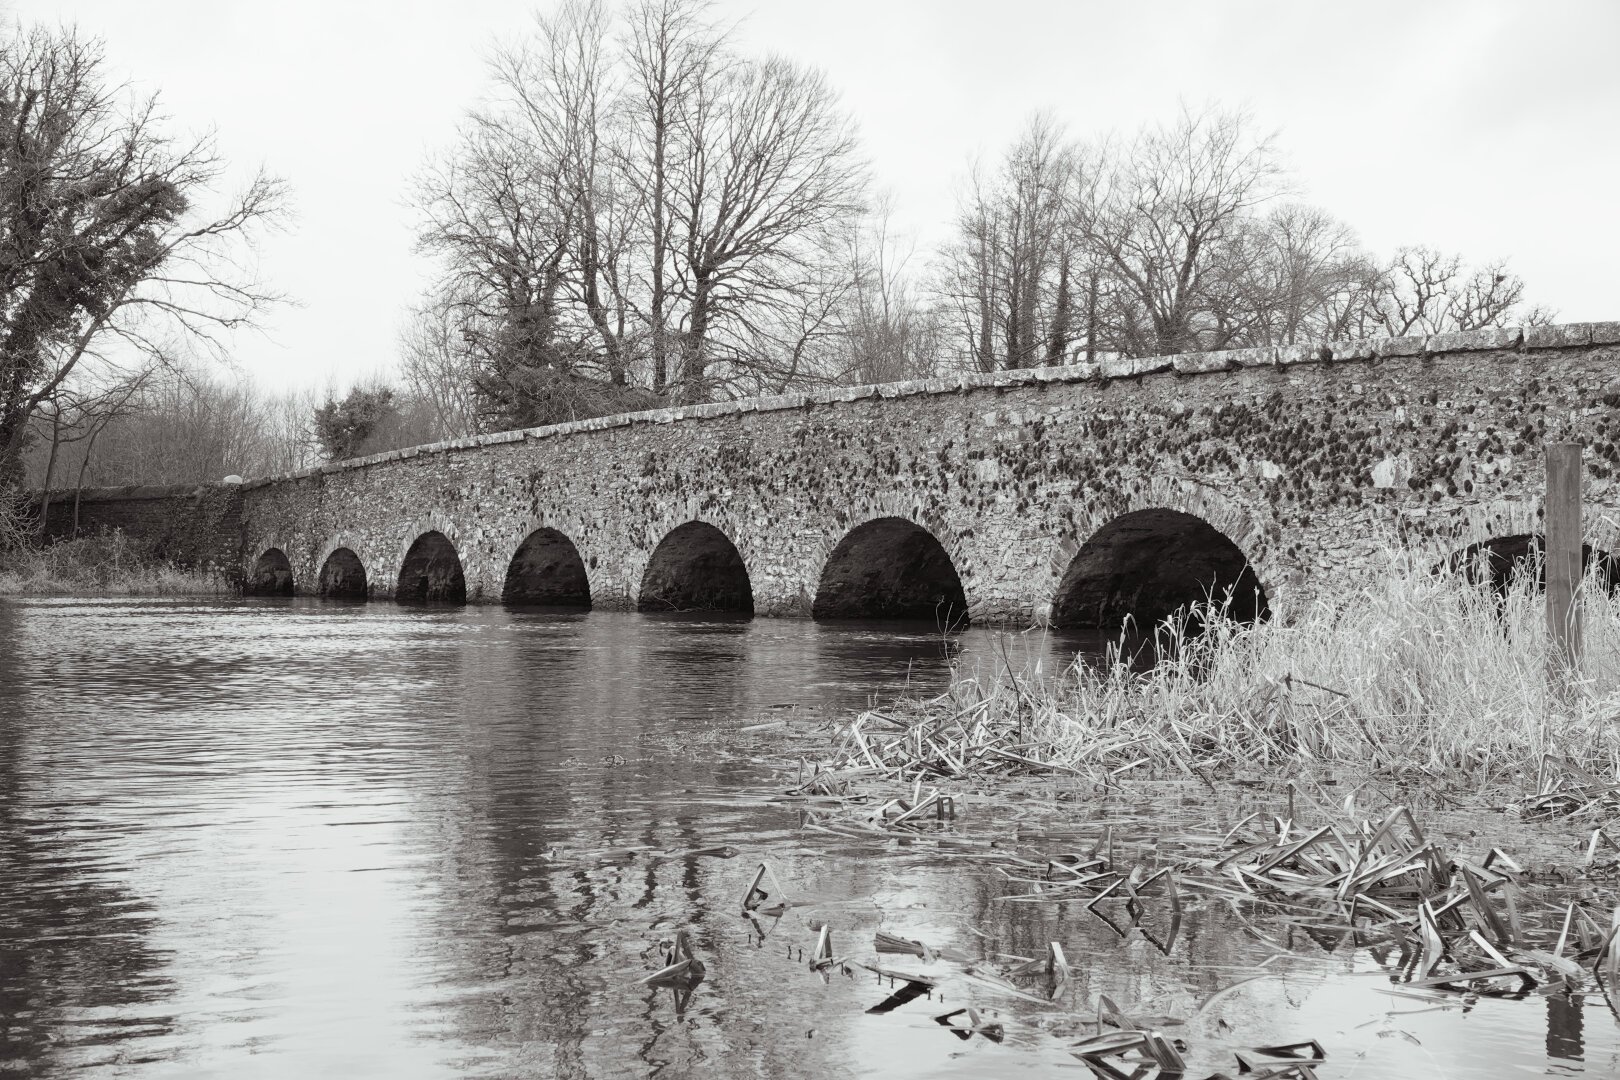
(546, 569)
(696, 567)
(343, 576)
(891, 568)
(432, 571)
(272, 575)
(1146, 565)
(1502, 560)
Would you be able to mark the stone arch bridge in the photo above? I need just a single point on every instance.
(1074, 495)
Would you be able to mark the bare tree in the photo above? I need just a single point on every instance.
(82, 414)
(437, 368)
(1011, 274)
(1425, 291)
(1285, 277)
(673, 50)
(769, 169)
(639, 212)
(972, 275)
(1163, 218)
(107, 252)
(889, 333)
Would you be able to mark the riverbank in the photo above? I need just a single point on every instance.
(109, 564)
(1411, 681)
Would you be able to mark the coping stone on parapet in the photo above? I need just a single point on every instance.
(1410, 345)
(1065, 374)
(1487, 339)
(1353, 349)
(1567, 336)
(1310, 353)
(1265, 356)
(1606, 333)
(1130, 367)
(1201, 363)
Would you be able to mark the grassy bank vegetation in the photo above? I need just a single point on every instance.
(1418, 678)
(109, 564)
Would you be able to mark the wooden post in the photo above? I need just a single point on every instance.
(1563, 562)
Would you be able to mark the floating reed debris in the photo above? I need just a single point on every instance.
(681, 969)
(1447, 923)
(974, 1023)
(755, 899)
(1291, 1061)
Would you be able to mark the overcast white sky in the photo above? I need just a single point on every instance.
(1487, 127)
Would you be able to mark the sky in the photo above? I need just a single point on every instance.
(1482, 127)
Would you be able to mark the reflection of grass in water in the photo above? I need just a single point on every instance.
(107, 564)
(1412, 675)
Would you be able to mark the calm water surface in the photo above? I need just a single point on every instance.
(296, 839)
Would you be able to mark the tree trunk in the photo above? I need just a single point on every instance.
(1057, 342)
(50, 469)
(1010, 335)
(660, 343)
(987, 316)
(694, 361)
(13, 436)
(1028, 293)
(78, 488)
(1091, 319)
(598, 314)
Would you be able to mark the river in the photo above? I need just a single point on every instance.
(294, 838)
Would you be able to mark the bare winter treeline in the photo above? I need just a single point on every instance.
(176, 427)
(183, 425)
(640, 215)
(1182, 238)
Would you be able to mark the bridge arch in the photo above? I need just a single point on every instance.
(1499, 561)
(547, 569)
(432, 571)
(343, 575)
(696, 567)
(272, 575)
(890, 568)
(1144, 565)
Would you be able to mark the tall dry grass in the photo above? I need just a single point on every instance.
(108, 564)
(1413, 675)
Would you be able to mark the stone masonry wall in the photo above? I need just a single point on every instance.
(192, 526)
(1314, 460)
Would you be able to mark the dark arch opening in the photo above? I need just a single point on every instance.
(696, 568)
(1502, 560)
(343, 575)
(272, 575)
(547, 569)
(1147, 565)
(890, 568)
(432, 571)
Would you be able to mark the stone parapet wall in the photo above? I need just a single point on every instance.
(1534, 339)
(192, 526)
